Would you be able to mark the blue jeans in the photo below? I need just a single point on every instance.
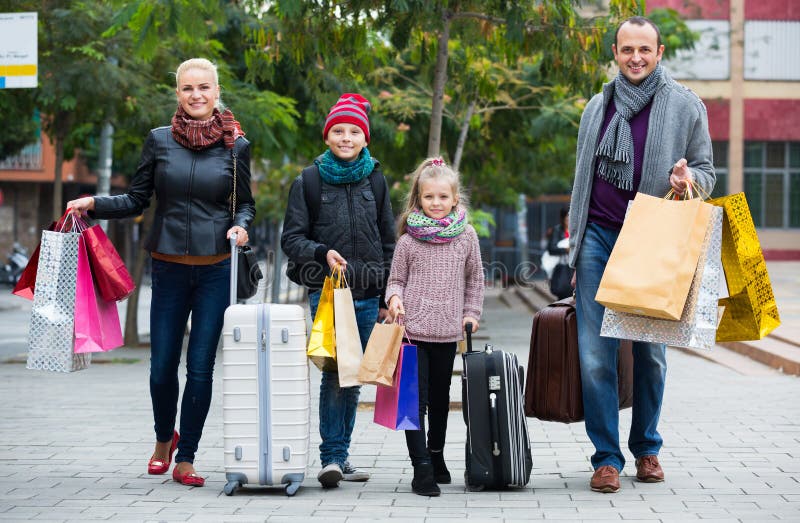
(337, 406)
(598, 356)
(179, 289)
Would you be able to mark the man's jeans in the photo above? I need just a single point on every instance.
(598, 356)
(179, 289)
(337, 406)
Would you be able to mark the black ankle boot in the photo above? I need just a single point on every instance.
(440, 472)
(423, 482)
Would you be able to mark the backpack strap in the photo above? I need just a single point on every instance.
(312, 187)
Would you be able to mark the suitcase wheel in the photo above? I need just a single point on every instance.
(230, 487)
(472, 488)
(291, 488)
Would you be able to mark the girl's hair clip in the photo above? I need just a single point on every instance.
(438, 162)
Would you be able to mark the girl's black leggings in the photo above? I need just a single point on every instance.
(435, 362)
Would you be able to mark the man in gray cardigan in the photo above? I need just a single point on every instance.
(644, 132)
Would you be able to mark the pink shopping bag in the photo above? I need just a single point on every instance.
(97, 327)
(397, 406)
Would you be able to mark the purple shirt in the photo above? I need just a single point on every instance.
(608, 203)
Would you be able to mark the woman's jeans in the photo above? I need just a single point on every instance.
(598, 356)
(435, 364)
(179, 289)
(337, 406)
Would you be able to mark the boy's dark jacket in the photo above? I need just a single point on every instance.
(347, 222)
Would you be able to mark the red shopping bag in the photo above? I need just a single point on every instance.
(108, 269)
(97, 327)
(27, 280)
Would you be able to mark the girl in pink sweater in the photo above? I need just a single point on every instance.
(436, 286)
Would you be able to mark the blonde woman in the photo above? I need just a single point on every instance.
(189, 167)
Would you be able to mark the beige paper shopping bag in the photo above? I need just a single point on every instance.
(380, 357)
(654, 259)
(348, 340)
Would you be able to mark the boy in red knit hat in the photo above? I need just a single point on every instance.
(339, 214)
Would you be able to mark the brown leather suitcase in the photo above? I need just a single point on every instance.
(553, 386)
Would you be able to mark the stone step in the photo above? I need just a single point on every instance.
(744, 365)
(534, 297)
(771, 351)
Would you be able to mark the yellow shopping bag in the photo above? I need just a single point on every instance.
(322, 342)
(750, 311)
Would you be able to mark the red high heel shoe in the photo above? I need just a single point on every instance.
(156, 466)
(190, 478)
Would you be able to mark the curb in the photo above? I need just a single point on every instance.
(770, 358)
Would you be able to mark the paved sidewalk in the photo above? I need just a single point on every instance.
(74, 448)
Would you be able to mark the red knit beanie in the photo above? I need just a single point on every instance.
(350, 108)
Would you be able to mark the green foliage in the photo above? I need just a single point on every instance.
(273, 190)
(675, 34)
(190, 23)
(482, 221)
(20, 128)
(517, 78)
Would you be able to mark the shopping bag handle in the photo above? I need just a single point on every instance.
(699, 190)
(76, 223)
(688, 194)
(692, 189)
(339, 278)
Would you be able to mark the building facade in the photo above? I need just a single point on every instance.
(746, 68)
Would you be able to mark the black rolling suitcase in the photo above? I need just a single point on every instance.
(498, 449)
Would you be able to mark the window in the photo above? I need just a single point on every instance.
(714, 46)
(770, 50)
(720, 150)
(772, 183)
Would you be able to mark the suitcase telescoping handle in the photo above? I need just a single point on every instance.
(234, 267)
(468, 330)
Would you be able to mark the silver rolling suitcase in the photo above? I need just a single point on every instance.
(265, 394)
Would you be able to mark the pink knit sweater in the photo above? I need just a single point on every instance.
(440, 284)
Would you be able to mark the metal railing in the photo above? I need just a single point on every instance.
(28, 159)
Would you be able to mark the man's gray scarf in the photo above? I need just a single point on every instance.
(615, 152)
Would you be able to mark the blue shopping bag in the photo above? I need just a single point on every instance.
(397, 405)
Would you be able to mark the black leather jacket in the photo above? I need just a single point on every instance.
(347, 222)
(193, 190)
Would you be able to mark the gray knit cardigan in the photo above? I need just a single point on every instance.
(678, 128)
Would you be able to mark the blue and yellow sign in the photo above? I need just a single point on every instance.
(18, 50)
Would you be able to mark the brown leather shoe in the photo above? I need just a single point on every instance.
(605, 479)
(648, 469)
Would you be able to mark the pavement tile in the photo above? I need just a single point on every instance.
(729, 454)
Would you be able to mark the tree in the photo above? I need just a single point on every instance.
(78, 86)
(163, 33)
(529, 91)
(18, 119)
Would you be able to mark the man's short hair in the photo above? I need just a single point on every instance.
(638, 20)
